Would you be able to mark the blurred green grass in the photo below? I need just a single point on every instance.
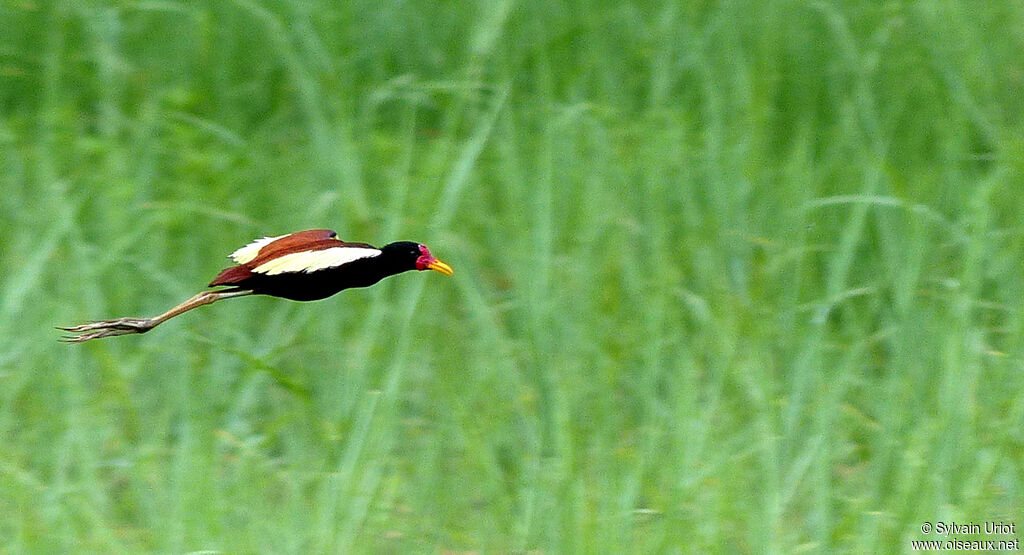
(730, 276)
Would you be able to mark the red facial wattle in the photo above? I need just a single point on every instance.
(426, 261)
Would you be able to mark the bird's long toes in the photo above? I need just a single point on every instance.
(127, 324)
(88, 326)
(75, 329)
(106, 328)
(133, 324)
(97, 334)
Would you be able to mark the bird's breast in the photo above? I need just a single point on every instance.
(316, 285)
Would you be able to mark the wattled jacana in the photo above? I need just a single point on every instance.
(304, 266)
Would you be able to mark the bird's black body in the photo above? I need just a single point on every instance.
(394, 258)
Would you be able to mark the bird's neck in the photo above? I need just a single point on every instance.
(375, 269)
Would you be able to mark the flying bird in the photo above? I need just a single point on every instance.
(303, 266)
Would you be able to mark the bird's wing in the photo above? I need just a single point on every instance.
(311, 260)
(304, 251)
(261, 248)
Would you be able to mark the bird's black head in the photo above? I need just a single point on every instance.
(414, 256)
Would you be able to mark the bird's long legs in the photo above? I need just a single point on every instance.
(124, 326)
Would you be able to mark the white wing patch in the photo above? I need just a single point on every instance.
(250, 251)
(311, 261)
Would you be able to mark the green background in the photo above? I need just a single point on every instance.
(729, 275)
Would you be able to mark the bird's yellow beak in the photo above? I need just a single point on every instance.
(439, 266)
